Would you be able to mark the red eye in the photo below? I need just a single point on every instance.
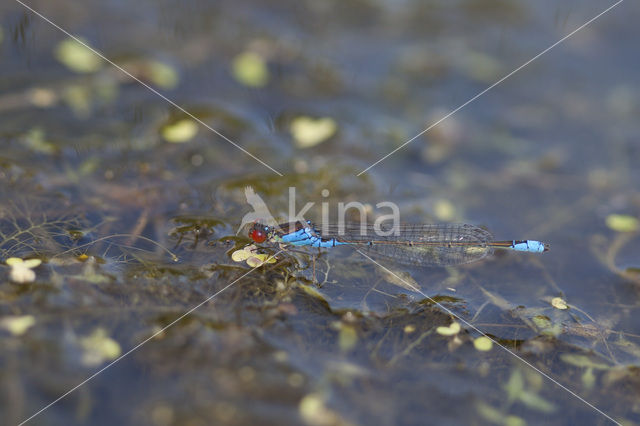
(257, 235)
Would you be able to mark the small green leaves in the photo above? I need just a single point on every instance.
(544, 324)
(451, 330)
(314, 411)
(180, 131)
(409, 328)
(77, 57)
(98, 347)
(582, 361)
(21, 270)
(483, 344)
(559, 303)
(250, 69)
(17, 325)
(162, 75)
(516, 391)
(252, 257)
(347, 337)
(444, 210)
(514, 386)
(588, 378)
(308, 131)
(622, 223)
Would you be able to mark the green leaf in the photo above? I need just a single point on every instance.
(308, 131)
(588, 378)
(542, 321)
(313, 292)
(163, 75)
(622, 223)
(489, 413)
(17, 325)
(347, 338)
(512, 420)
(77, 57)
(483, 344)
(583, 361)
(180, 131)
(451, 330)
(559, 303)
(249, 68)
(99, 347)
(515, 386)
(536, 402)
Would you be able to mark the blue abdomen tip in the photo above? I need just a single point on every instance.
(529, 245)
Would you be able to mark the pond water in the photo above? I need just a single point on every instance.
(123, 185)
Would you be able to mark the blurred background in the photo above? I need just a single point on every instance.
(119, 211)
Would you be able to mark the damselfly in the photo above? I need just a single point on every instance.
(409, 244)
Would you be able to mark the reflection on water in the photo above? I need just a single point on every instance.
(132, 207)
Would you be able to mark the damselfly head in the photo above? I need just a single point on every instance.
(258, 232)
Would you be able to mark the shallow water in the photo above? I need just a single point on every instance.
(133, 207)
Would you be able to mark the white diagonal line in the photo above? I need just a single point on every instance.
(136, 347)
(150, 88)
(493, 340)
(492, 86)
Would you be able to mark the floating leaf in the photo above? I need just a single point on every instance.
(180, 131)
(451, 330)
(444, 210)
(308, 131)
(77, 57)
(240, 255)
(163, 75)
(559, 303)
(99, 347)
(622, 223)
(483, 344)
(409, 328)
(21, 269)
(259, 259)
(32, 263)
(314, 411)
(249, 68)
(252, 257)
(17, 325)
(254, 261)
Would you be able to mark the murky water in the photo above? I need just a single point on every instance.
(132, 206)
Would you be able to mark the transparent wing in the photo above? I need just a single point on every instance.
(415, 244)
